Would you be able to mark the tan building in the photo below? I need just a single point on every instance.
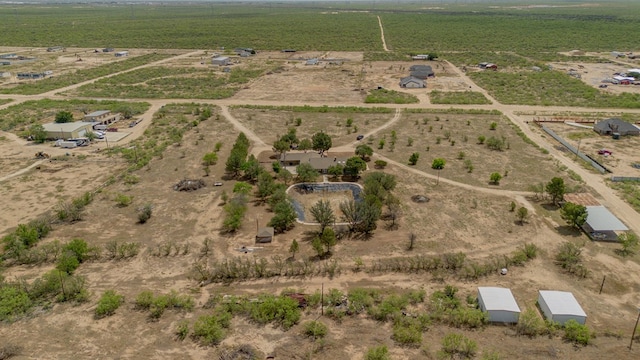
(70, 130)
(104, 117)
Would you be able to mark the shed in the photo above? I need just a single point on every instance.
(67, 130)
(560, 307)
(221, 61)
(264, 235)
(412, 82)
(122, 53)
(615, 125)
(313, 61)
(499, 303)
(104, 117)
(601, 224)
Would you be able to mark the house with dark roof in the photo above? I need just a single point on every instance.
(265, 235)
(421, 71)
(320, 163)
(615, 126)
(412, 83)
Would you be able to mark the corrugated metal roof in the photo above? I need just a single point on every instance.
(599, 218)
(562, 303)
(66, 127)
(496, 298)
(97, 113)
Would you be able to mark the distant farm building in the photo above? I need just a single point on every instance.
(108, 50)
(8, 56)
(499, 303)
(221, 61)
(122, 54)
(412, 82)
(30, 75)
(55, 48)
(488, 66)
(615, 126)
(70, 130)
(313, 61)
(421, 71)
(104, 117)
(560, 307)
(421, 57)
(244, 52)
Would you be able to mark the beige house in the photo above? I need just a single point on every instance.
(70, 130)
(104, 117)
(320, 163)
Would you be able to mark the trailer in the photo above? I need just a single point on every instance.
(66, 144)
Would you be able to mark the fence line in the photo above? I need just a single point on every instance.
(570, 147)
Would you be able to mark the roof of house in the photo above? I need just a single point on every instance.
(66, 127)
(324, 163)
(496, 298)
(420, 68)
(220, 58)
(562, 303)
(421, 74)
(98, 113)
(409, 79)
(599, 218)
(299, 156)
(265, 232)
(615, 123)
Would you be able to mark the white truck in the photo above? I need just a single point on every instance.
(66, 144)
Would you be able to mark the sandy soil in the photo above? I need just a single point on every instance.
(459, 217)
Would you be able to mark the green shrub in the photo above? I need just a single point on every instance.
(465, 317)
(158, 304)
(144, 213)
(68, 263)
(577, 333)
(378, 353)
(407, 333)
(144, 300)
(108, 304)
(361, 300)
(208, 331)
(123, 200)
(315, 329)
(182, 330)
(530, 324)
(14, 302)
(457, 345)
(389, 307)
(282, 310)
(79, 248)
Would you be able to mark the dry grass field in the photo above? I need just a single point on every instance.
(465, 214)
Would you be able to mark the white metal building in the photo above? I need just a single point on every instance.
(67, 130)
(221, 61)
(499, 303)
(560, 306)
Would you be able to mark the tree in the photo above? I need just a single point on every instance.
(328, 239)
(369, 214)
(556, 189)
(354, 166)
(335, 170)
(305, 144)
(495, 178)
(265, 186)
(235, 162)
(293, 249)
(364, 151)
(522, 215)
(38, 133)
(63, 117)
(574, 214)
(629, 242)
(380, 164)
(252, 168)
(290, 137)
(438, 164)
(284, 217)
(323, 214)
(242, 188)
(281, 147)
(321, 142)
(306, 172)
(234, 212)
(210, 159)
(285, 176)
(350, 213)
(393, 206)
(413, 159)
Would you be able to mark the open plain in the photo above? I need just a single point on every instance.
(183, 108)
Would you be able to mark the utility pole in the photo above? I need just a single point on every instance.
(634, 330)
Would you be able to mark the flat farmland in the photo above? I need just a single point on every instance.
(454, 137)
(268, 123)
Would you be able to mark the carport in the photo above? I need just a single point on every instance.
(602, 225)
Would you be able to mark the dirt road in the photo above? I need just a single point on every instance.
(384, 42)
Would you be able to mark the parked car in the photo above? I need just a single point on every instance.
(360, 137)
(217, 183)
(602, 86)
(605, 152)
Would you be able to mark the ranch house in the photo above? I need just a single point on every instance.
(411, 82)
(615, 126)
(103, 117)
(291, 160)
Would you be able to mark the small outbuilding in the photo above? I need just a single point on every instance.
(221, 61)
(560, 307)
(122, 53)
(264, 235)
(499, 303)
(601, 224)
(615, 125)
